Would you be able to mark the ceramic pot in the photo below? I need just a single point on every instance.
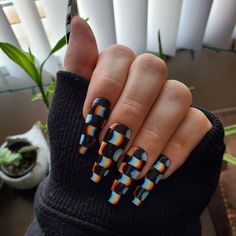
(38, 169)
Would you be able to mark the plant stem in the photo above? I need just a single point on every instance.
(44, 96)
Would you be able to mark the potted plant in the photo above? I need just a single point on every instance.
(18, 159)
(25, 157)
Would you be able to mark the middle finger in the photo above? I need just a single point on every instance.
(146, 77)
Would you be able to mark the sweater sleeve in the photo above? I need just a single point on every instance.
(67, 202)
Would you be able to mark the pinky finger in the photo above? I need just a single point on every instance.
(187, 136)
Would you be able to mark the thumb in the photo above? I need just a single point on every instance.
(82, 53)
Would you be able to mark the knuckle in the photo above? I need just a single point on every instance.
(199, 119)
(177, 143)
(150, 62)
(153, 133)
(179, 92)
(120, 51)
(109, 80)
(131, 107)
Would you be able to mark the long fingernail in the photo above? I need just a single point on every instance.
(95, 120)
(152, 178)
(112, 146)
(68, 21)
(72, 10)
(130, 168)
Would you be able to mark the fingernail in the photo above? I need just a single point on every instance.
(152, 178)
(115, 141)
(130, 168)
(95, 120)
(72, 10)
(68, 21)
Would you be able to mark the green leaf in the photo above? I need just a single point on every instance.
(229, 158)
(15, 159)
(3, 153)
(43, 127)
(161, 55)
(31, 56)
(17, 56)
(7, 157)
(230, 130)
(60, 44)
(37, 96)
(50, 90)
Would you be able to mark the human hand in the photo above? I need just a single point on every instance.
(150, 118)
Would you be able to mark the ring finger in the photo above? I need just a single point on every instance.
(164, 118)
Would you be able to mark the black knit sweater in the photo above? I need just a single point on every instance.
(68, 203)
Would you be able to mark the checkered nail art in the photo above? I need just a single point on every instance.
(152, 178)
(94, 122)
(130, 168)
(68, 20)
(72, 10)
(115, 141)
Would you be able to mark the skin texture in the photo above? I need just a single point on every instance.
(156, 110)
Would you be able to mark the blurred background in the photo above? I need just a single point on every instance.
(197, 41)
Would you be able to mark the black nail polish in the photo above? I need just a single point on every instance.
(115, 141)
(95, 120)
(152, 178)
(130, 168)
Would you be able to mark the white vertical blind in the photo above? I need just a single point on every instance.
(131, 23)
(163, 15)
(56, 11)
(7, 35)
(193, 22)
(221, 23)
(135, 23)
(39, 44)
(101, 20)
(19, 32)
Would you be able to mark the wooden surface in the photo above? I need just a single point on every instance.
(16, 211)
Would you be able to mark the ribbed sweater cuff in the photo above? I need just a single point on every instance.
(69, 200)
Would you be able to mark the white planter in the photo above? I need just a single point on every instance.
(41, 167)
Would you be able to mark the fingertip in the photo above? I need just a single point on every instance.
(82, 53)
